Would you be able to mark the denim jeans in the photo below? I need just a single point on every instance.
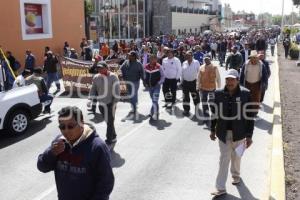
(189, 87)
(206, 99)
(132, 90)
(53, 77)
(154, 94)
(47, 100)
(108, 111)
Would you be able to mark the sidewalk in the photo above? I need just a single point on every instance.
(290, 102)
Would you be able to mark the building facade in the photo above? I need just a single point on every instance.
(227, 17)
(34, 24)
(130, 19)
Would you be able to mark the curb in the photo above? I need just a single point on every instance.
(277, 180)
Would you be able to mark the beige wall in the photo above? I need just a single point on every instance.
(67, 25)
(188, 20)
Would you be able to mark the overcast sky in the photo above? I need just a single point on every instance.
(260, 6)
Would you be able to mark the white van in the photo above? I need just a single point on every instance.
(17, 107)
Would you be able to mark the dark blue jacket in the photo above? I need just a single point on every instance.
(242, 125)
(30, 62)
(82, 172)
(199, 56)
(132, 71)
(263, 74)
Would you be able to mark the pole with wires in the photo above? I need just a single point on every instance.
(282, 19)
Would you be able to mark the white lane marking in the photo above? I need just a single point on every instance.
(132, 131)
(45, 193)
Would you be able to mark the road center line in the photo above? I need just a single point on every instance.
(45, 193)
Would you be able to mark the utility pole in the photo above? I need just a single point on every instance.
(282, 18)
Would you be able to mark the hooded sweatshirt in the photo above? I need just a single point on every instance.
(83, 170)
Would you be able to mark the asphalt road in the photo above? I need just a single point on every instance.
(172, 159)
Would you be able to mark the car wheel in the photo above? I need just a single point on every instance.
(18, 122)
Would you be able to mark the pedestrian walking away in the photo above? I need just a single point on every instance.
(272, 43)
(286, 44)
(29, 61)
(267, 69)
(79, 158)
(43, 91)
(233, 125)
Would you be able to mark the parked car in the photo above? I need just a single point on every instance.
(18, 107)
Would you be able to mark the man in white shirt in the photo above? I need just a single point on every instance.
(20, 80)
(172, 70)
(190, 69)
(2, 79)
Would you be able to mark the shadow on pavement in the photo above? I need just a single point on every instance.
(267, 109)
(35, 126)
(264, 125)
(66, 94)
(98, 118)
(226, 197)
(116, 160)
(138, 118)
(177, 112)
(160, 124)
(245, 192)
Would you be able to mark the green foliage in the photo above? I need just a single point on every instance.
(294, 51)
(296, 2)
(89, 7)
(277, 20)
(290, 31)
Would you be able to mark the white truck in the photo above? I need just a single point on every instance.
(17, 107)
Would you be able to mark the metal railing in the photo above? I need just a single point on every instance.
(193, 11)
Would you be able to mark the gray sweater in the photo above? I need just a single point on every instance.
(107, 88)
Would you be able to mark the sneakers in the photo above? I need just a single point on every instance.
(218, 193)
(236, 180)
(47, 111)
(154, 116)
(186, 113)
(93, 110)
(111, 143)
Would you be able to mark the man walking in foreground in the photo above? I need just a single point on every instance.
(233, 125)
(79, 158)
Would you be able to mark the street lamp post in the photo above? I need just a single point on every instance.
(107, 9)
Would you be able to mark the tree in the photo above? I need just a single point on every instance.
(88, 10)
(277, 20)
(296, 2)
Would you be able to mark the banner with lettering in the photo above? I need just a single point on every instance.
(76, 76)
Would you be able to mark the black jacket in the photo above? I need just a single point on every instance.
(152, 75)
(50, 64)
(242, 124)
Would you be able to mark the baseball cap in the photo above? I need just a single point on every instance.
(102, 64)
(232, 73)
(132, 53)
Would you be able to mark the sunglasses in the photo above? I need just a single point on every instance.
(69, 126)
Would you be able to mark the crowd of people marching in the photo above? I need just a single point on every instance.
(168, 63)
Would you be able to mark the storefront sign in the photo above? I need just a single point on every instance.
(33, 18)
